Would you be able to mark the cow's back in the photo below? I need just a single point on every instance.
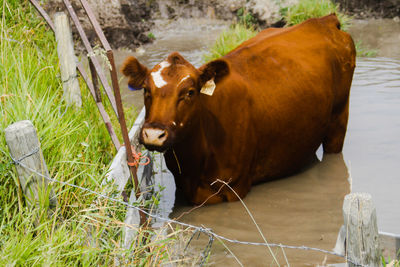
(283, 87)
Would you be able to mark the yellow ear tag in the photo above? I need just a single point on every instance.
(208, 88)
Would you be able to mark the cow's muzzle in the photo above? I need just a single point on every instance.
(154, 138)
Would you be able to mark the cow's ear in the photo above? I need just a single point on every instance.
(136, 72)
(215, 70)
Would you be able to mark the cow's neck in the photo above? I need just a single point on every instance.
(195, 149)
(193, 141)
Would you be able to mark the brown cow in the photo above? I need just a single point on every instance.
(278, 96)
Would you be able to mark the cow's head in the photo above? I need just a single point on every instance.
(171, 96)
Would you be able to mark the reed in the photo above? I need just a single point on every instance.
(306, 9)
(228, 40)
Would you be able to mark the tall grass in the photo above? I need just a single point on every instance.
(391, 263)
(242, 31)
(306, 9)
(77, 150)
(295, 14)
(229, 39)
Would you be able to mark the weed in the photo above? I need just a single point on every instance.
(246, 18)
(229, 40)
(307, 9)
(295, 14)
(362, 51)
(151, 36)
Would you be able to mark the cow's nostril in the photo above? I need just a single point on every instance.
(162, 135)
(145, 134)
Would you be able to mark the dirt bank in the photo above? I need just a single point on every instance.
(371, 8)
(129, 23)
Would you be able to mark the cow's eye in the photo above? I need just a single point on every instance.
(190, 93)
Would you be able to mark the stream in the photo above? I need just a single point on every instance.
(305, 209)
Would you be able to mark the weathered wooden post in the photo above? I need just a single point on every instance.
(66, 55)
(361, 230)
(24, 146)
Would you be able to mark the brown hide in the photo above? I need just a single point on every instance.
(278, 97)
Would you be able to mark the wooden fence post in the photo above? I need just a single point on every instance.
(361, 230)
(66, 55)
(24, 146)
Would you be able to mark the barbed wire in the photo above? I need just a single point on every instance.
(197, 229)
(34, 151)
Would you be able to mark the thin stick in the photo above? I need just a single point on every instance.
(199, 206)
(177, 162)
(252, 218)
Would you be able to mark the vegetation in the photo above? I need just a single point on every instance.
(362, 51)
(151, 36)
(303, 10)
(228, 40)
(84, 230)
(306, 9)
(246, 18)
(391, 263)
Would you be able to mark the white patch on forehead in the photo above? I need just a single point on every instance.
(157, 77)
(184, 79)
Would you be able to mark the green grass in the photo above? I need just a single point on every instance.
(303, 10)
(306, 9)
(391, 263)
(228, 40)
(246, 18)
(77, 150)
(362, 51)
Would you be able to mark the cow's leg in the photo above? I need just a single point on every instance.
(334, 139)
(211, 197)
(207, 195)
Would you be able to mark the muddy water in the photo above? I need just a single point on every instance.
(305, 209)
(372, 146)
(381, 35)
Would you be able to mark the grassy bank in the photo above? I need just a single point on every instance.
(228, 40)
(77, 150)
(292, 15)
(306, 9)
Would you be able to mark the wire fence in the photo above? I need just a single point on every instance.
(197, 229)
